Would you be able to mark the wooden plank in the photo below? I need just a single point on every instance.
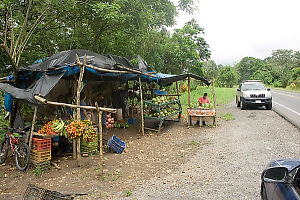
(135, 71)
(32, 126)
(78, 108)
(142, 106)
(45, 101)
(214, 96)
(100, 136)
(169, 95)
(189, 91)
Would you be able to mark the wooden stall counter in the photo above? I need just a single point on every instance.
(199, 114)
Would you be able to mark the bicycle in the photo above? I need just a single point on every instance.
(19, 149)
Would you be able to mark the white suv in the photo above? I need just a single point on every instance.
(253, 92)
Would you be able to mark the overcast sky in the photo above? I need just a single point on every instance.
(238, 28)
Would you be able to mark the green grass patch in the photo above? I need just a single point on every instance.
(228, 117)
(288, 89)
(223, 96)
(128, 193)
(194, 143)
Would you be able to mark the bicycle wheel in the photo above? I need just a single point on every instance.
(22, 156)
(4, 146)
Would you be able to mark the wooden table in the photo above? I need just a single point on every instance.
(200, 113)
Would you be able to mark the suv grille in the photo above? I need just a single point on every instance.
(257, 95)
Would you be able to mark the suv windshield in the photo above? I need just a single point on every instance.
(253, 86)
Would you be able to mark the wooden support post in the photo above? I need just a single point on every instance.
(78, 109)
(32, 126)
(214, 96)
(189, 91)
(74, 141)
(177, 89)
(142, 106)
(132, 100)
(100, 138)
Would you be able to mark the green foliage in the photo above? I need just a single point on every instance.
(211, 69)
(227, 77)
(38, 172)
(248, 66)
(228, 117)
(194, 143)
(264, 76)
(128, 193)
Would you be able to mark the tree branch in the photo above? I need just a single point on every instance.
(22, 29)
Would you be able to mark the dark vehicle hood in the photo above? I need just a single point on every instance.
(290, 164)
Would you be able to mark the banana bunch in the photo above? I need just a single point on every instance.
(58, 125)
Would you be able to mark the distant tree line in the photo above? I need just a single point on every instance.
(281, 69)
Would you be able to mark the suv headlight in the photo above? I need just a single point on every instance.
(246, 95)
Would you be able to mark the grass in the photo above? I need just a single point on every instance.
(38, 172)
(223, 96)
(289, 89)
(228, 117)
(128, 193)
(194, 143)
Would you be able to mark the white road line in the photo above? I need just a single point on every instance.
(286, 108)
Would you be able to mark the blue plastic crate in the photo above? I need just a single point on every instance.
(131, 120)
(116, 144)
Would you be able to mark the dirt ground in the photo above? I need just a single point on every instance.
(178, 163)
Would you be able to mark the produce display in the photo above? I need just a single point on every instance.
(71, 129)
(121, 125)
(109, 121)
(162, 106)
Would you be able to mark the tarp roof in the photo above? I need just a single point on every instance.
(68, 58)
(48, 74)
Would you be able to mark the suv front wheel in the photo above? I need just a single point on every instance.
(238, 103)
(243, 106)
(269, 106)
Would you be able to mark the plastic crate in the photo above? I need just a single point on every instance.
(40, 156)
(116, 144)
(131, 120)
(42, 165)
(41, 144)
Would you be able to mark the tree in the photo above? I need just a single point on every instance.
(227, 77)
(211, 69)
(282, 62)
(248, 66)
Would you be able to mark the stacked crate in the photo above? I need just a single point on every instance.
(40, 154)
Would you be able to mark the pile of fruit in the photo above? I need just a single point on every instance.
(89, 134)
(109, 121)
(162, 99)
(74, 129)
(207, 106)
(121, 125)
(164, 112)
(51, 128)
(70, 129)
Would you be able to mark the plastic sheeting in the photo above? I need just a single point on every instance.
(43, 86)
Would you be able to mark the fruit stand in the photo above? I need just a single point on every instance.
(161, 108)
(199, 114)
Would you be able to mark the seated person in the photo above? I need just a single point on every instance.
(202, 100)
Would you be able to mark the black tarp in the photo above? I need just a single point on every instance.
(42, 87)
(66, 58)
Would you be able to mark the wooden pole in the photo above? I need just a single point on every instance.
(45, 101)
(78, 109)
(74, 141)
(135, 71)
(32, 126)
(100, 139)
(132, 100)
(177, 90)
(142, 106)
(189, 91)
(214, 96)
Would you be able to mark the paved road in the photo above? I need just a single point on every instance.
(287, 104)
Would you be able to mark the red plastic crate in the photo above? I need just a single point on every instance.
(41, 144)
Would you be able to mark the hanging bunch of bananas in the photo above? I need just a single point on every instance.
(58, 126)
